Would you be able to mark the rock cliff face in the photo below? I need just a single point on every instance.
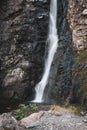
(77, 15)
(60, 80)
(23, 34)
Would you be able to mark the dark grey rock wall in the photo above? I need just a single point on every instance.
(60, 81)
(23, 33)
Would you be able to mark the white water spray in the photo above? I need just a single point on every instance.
(52, 45)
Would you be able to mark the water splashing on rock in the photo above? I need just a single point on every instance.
(52, 41)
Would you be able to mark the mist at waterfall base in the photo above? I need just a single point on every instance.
(52, 41)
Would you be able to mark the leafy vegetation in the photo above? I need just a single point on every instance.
(24, 110)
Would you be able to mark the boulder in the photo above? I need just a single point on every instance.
(32, 118)
(8, 122)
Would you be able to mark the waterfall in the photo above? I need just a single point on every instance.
(52, 41)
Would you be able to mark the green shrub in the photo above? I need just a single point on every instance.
(24, 110)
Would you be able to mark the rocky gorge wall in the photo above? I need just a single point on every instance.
(60, 80)
(77, 15)
(23, 34)
(69, 74)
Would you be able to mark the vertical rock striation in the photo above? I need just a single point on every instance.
(60, 81)
(77, 15)
(68, 78)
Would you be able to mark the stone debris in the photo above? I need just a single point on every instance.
(53, 120)
(45, 120)
(84, 12)
(85, 120)
(55, 113)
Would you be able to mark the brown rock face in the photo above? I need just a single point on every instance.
(77, 15)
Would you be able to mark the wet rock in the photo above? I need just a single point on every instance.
(60, 79)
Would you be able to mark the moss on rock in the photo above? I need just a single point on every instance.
(80, 76)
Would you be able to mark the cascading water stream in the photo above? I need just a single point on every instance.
(52, 41)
